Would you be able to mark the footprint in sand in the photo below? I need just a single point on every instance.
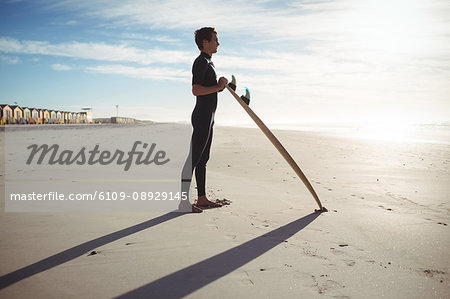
(433, 274)
(325, 286)
(388, 209)
(245, 279)
(232, 237)
(350, 263)
(331, 266)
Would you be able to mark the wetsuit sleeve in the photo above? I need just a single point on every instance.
(199, 71)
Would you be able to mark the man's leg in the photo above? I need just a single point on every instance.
(200, 175)
(199, 141)
(200, 167)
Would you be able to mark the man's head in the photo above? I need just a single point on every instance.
(206, 39)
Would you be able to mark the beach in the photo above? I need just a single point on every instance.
(386, 232)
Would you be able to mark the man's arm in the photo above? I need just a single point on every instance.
(200, 90)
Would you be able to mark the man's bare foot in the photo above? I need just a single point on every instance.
(203, 201)
(196, 209)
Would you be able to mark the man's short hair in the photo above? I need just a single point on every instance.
(202, 34)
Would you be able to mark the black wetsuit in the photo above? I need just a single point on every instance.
(202, 119)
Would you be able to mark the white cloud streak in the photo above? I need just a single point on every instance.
(158, 38)
(61, 67)
(9, 59)
(94, 51)
(142, 73)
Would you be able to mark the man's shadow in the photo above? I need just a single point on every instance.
(79, 250)
(182, 282)
(186, 281)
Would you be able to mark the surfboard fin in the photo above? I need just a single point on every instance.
(232, 84)
(246, 98)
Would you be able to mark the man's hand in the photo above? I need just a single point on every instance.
(199, 90)
(222, 83)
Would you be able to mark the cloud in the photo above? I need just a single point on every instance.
(158, 38)
(71, 22)
(9, 59)
(61, 67)
(142, 73)
(340, 24)
(95, 51)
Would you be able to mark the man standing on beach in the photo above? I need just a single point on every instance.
(205, 87)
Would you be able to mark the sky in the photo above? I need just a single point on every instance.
(343, 61)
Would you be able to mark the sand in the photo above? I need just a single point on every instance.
(386, 233)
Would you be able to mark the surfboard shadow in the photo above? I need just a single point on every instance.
(77, 251)
(194, 277)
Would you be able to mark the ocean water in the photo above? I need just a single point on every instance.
(438, 133)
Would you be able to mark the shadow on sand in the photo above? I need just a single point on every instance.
(79, 250)
(192, 278)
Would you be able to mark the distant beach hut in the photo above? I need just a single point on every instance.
(69, 117)
(83, 117)
(26, 116)
(64, 116)
(80, 117)
(17, 114)
(46, 114)
(74, 118)
(7, 114)
(59, 119)
(41, 116)
(87, 114)
(52, 117)
(34, 115)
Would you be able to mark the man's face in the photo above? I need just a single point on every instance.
(211, 47)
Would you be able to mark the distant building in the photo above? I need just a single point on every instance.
(17, 115)
(7, 114)
(14, 114)
(46, 115)
(59, 119)
(35, 116)
(26, 115)
(122, 120)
